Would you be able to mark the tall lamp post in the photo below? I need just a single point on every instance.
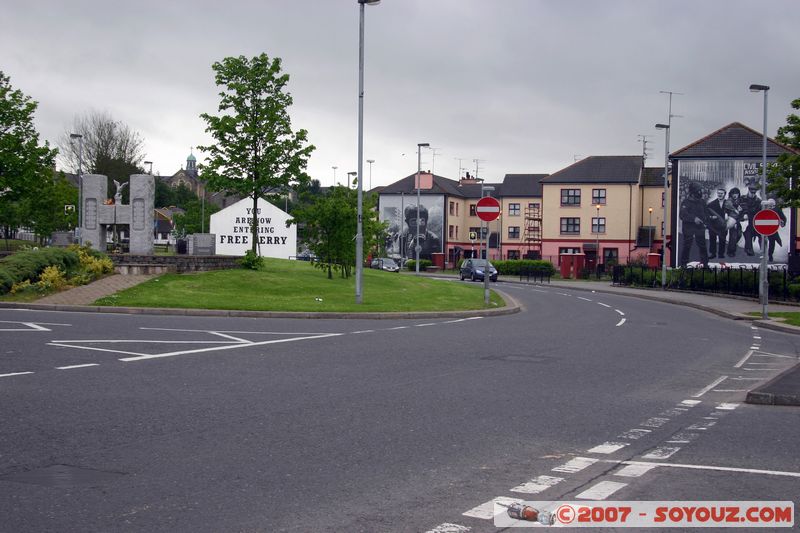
(350, 176)
(652, 229)
(417, 246)
(370, 161)
(359, 229)
(80, 185)
(664, 127)
(764, 278)
(334, 175)
(150, 163)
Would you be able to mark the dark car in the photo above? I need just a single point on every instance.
(474, 269)
(385, 263)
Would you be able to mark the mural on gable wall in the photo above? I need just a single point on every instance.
(717, 200)
(400, 210)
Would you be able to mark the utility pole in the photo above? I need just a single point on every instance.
(434, 151)
(478, 166)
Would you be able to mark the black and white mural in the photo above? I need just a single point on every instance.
(717, 200)
(400, 211)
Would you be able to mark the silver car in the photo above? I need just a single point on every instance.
(385, 263)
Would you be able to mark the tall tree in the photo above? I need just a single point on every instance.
(785, 171)
(25, 165)
(256, 152)
(110, 147)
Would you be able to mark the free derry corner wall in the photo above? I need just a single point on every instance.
(233, 232)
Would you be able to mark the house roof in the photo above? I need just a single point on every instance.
(441, 185)
(733, 140)
(599, 169)
(523, 185)
(652, 177)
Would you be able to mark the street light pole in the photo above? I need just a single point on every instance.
(359, 228)
(764, 278)
(80, 185)
(666, 128)
(370, 161)
(334, 175)
(597, 234)
(417, 246)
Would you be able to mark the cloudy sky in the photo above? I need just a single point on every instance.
(525, 86)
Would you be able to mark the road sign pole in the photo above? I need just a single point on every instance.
(766, 222)
(486, 266)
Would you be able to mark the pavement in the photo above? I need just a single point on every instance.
(784, 389)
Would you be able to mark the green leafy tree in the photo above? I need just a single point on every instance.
(25, 165)
(256, 152)
(164, 196)
(785, 171)
(328, 224)
(45, 211)
(190, 221)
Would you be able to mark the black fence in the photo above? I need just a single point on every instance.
(534, 274)
(742, 281)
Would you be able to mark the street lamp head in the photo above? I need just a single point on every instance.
(75, 136)
(650, 209)
(370, 161)
(423, 145)
(369, 2)
(662, 126)
(754, 88)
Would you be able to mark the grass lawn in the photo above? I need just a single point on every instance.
(285, 285)
(791, 318)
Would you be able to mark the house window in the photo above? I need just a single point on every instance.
(533, 205)
(456, 209)
(569, 250)
(598, 224)
(570, 225)
(598, 197)
(456, 226)
(450, 229)
(452, 209)
(611, 255)
(513, 210)
(513, 254)
(478, 231)
(662, 198)
(513, 232)
(472, 208)
(570, 197)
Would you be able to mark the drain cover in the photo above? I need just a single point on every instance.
(63, 476)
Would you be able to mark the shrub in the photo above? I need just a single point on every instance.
(22, 286)
(51, 279)
(522, 267)
(411, 264)
(30, 264)
(251, 261)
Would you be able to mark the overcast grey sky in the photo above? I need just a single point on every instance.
(524, 85)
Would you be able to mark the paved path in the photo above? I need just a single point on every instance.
(86, 294)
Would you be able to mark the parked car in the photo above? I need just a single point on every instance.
(385, 263)
(475, 269)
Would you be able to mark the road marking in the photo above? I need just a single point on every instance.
(730, 390)
(676, 411)
(662, 452)
(14, 374)
(601, 491)
(654, 422)
(704, 467)
(727, 406)
(683, 438)
(702, 426)
(76, 366)
(363, 331)
(229, 331)
(756, 337)
(604, 305)
(634, 470)
(447, 527)
(537, 290)
(485, 511)
(774, 365)
(768, 354)
(398, 327)
(691, 403)
(620, 322)
(620, 312)
(226, 336)
(537, 485)
(755, 347)
(575, 465)
(139, 341)
(745, 358)
(740, 378)
(424, 325)
(756, 369)
(584, 299)
(634, 434)
(711, 386)
(608, 447)
(563, 294)
(228, 347)
(93, 348)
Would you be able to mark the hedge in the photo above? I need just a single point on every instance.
(31, 263)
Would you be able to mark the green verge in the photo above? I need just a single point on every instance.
(789, 317)
(284, 285)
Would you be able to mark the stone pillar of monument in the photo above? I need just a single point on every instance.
(142, 198)
(95, 192)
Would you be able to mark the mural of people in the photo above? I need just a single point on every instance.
(694, 217)
(427, 240)
(717, 226)
(400, 212)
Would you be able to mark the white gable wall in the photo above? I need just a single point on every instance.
(233, 233)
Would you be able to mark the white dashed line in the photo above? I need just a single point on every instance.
(362, 331)
(575, 465)
(662, 452)
(604, 305)
(691, 403)
(768, 354)
(683, 438)
(742, 361)
(537, 485)
(76, 366)
(634, 470)
(620, 322)
(711, 386)
(620, 312)
(14, 374)
(485, 511)
(563, 294)
(608, 447)
(654, 422)
(398, 327)
(704, 467)
(702, 426)
(634, 434)
(425, 325)
(727, 406)
(449, 528)
(601, 491)
(584, 299)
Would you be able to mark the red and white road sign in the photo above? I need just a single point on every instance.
(488, 208)
(766, 222)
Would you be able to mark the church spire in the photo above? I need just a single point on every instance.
(191, 163)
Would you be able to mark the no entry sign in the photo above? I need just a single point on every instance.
(488, 208)
(766, 222)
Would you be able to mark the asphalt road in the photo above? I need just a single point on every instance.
(228, 424)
